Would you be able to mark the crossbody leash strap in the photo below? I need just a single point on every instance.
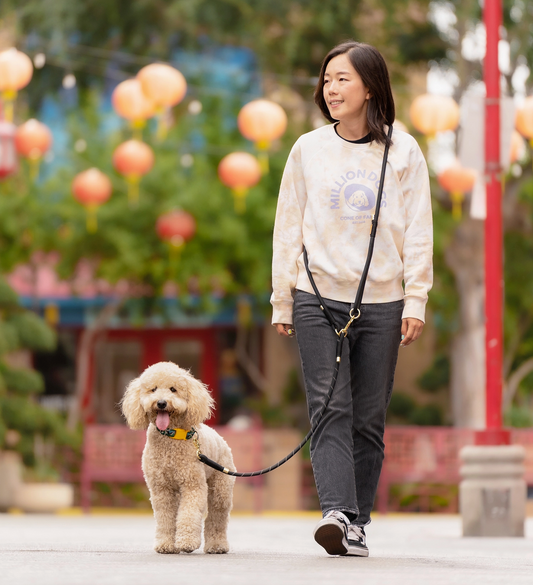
(341, 335)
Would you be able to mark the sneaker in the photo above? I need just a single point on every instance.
(357, 541)
(331, 533)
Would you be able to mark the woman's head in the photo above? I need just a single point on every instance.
(370, 66)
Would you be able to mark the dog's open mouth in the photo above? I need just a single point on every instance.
(163, 420)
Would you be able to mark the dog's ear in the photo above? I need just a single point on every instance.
(136, 418)
(199, 404)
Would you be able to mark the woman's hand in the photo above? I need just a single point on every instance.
(284, 329)
(411, 330)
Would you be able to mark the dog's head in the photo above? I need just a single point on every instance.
(168, 396)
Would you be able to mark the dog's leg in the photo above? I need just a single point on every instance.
(191, 512)
(165, 505)
(219, 504)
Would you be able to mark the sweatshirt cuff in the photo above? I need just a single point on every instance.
(414, 308)
(282, 312)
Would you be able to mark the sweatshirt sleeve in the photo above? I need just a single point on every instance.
(418, 239)
(288, 241)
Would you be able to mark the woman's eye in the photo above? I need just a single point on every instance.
(173, 389)
(154, 389)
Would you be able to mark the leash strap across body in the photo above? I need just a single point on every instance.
(355, 313)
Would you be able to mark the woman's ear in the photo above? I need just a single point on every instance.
(199, 404)
(136, 418)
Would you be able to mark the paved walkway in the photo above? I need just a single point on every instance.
(278, 550)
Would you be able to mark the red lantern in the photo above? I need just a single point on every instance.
(8, 153)
(524, 119)
(239, 171)
(32, 140)
(262, 121)
(130, 102)
(91, 188)
(175, 228)
(16, 70)
(457, 181)
(434, 113)
(133, 159)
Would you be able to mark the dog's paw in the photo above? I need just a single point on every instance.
(165, 548)
(187, 545)
(216, 547)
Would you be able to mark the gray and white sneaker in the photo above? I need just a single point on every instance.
(331, 533)
(357, 541)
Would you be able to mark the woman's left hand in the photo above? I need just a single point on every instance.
(411, 330)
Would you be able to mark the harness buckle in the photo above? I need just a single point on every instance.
(352, 319)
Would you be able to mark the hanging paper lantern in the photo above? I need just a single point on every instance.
(524, 119)
(92, 188)
(262, 121)
(457, 181)
(518, 147)
(165, 87)
(434, 113)
(175, 228)
(162, 84)
(16, 70)
(239, 171)
(130, 102)
(133, 159)
(32, 141)
(8, 152)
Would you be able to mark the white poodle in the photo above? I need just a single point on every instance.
(182, 489)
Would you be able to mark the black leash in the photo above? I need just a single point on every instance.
(355, 313)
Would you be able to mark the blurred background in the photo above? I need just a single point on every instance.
(141, 150)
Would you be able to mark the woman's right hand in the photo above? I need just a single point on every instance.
(284, 329)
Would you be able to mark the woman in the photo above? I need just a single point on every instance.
(326, 202)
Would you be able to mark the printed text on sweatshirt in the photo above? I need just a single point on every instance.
(326, 201)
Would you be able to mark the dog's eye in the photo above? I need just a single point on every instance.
(154, 389)
(173, 389)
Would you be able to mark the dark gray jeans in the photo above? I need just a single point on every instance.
(347, 448)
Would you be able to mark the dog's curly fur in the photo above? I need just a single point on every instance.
(182, 489)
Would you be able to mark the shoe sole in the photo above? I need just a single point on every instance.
(356, 551)
(331, 538)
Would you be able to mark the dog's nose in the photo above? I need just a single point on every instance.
(161, 404)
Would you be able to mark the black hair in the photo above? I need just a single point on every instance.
(371, 67)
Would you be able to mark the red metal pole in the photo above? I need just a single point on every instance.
(494, 434)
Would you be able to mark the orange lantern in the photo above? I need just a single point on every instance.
(130, 102)
(175, 227)
(524, 119)
(92, 188)
(16, 70)
(262, 121)
(165, 87)
(457, 181)
(434, 113)
(133, 159)
(32, 140)
(518, 147)
(162, 84)
(239, 171)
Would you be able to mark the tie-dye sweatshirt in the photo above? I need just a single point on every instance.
(326, 201)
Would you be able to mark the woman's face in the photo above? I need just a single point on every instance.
(344, 91)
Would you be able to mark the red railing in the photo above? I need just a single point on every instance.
(422, 458)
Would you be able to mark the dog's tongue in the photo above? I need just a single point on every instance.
(163, 420)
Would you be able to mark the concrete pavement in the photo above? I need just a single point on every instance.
(270, 549)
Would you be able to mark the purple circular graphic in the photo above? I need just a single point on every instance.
(359, 197)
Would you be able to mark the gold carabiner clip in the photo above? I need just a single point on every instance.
(352, 319)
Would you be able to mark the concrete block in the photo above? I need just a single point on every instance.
(492, 493)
